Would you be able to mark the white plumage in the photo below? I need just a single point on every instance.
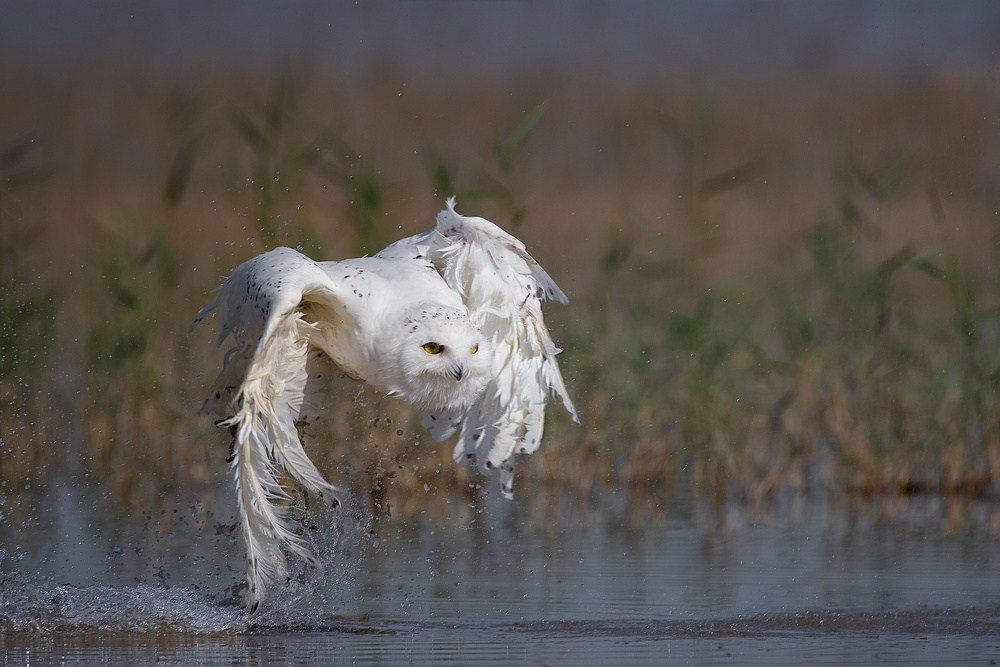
(449, 320)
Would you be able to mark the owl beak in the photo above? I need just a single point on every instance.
(458, 372)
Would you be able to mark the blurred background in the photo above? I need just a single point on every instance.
(777, 223)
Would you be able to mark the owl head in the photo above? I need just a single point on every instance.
(440, 361)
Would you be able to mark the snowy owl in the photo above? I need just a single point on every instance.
(449, 321)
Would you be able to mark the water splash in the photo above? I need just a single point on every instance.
(26, 606)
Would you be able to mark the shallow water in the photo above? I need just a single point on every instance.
(802, 582)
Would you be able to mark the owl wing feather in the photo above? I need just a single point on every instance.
(272, 379)
(502, 287)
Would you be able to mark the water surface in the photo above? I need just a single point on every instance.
(802, 582)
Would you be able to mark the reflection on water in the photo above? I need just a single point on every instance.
(805, 582)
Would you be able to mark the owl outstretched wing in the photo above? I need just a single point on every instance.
(502, 287)
(272, 380)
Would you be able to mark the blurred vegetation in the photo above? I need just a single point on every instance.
(496, 188)
(843, 361)
(27, 322)
(285, 147)
(132, 399)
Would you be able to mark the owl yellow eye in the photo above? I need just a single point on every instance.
(433, 348)
(475, 348)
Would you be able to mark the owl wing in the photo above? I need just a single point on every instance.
(502, 287)
(271, 381)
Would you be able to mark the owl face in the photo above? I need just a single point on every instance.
(441, 361)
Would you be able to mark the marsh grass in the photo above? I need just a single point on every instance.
(841, 361)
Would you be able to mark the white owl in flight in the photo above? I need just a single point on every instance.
(449, 320)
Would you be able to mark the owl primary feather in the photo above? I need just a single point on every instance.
(449, 321)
